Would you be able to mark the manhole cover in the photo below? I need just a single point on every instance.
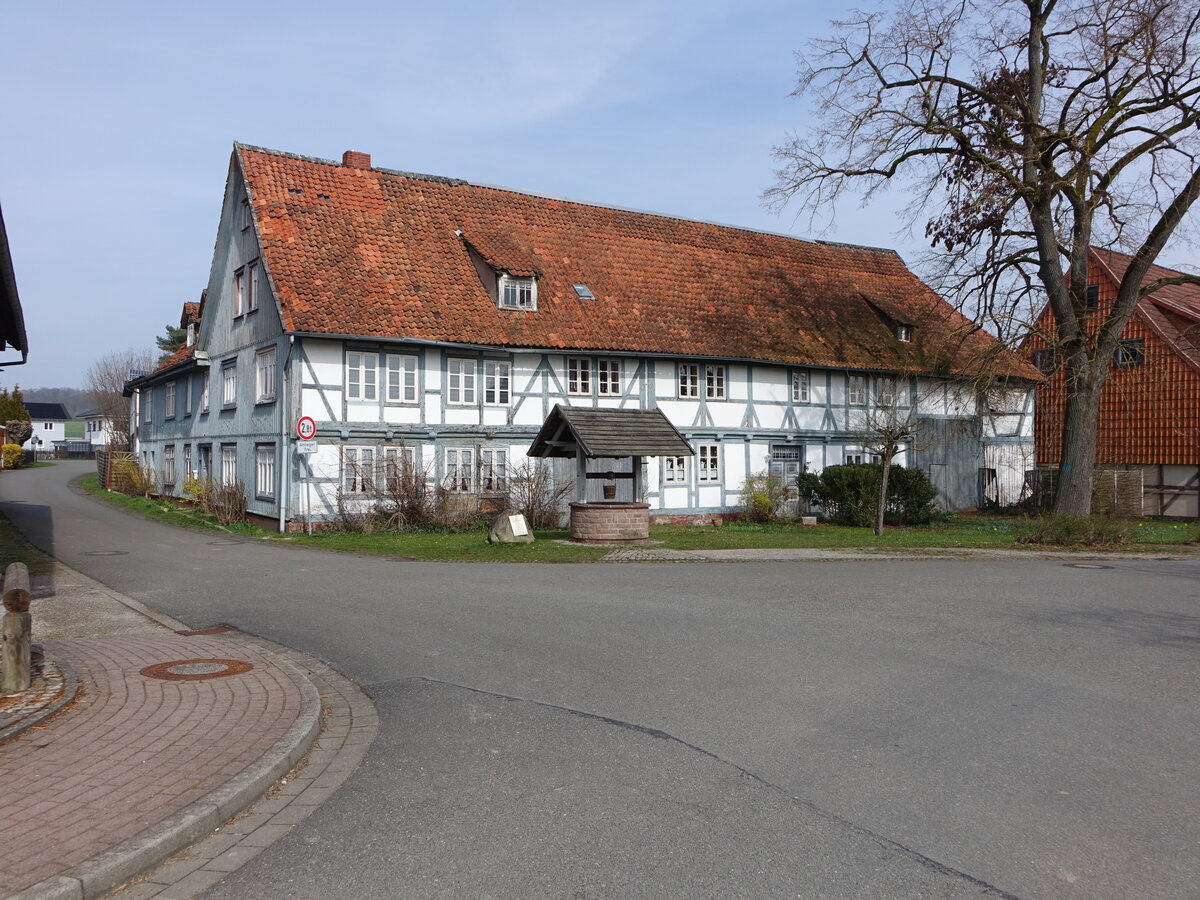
(1086, 566)
(105, 553)
(196, 669)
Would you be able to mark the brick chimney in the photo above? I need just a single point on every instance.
(356, 160)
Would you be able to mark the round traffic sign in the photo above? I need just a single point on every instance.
(306, 428)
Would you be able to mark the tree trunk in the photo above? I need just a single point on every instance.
(1078, 461)
(881, 504)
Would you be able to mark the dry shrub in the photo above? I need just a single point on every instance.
(399, 496)
(534, 492)
(228, 502)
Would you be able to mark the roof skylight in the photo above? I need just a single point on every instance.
(583, 292)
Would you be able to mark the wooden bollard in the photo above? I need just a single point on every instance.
(17, 628)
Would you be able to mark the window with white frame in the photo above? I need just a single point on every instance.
(496, 378)
(904, 333)
(709, 462)
(579, 375)
(168, 470)
(517, 293)
(239, 293)
(885, 390)
(674, 470)
(401, 378)
(714, 382)
(358, 470)
(187, 461)
(361, 375)
(204, 391)
(265, 374)
(398, 467)
(229, 464)
(204, 461)
(608, 377)
(460, 469)
(799, 387)
(147, 404)
(856, 458)
(856, 390)
(460, 380)
(689, 380)
(493, 469)
(187, 396)
(264, 471)
(169, 400)
(229, 385)
(251, 287)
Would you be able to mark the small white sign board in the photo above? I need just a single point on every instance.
(517, 523)
(307, 448)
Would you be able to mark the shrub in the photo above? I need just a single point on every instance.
(18, 431)
(910, 497)
(534, 492)
(200, 490)
(14, 456)
(1079, 531)
(130, 478)
(399, 496)
(765, 497)
(849, 494)
(228, 502)
(808, 488)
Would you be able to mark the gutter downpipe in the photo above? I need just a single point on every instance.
(285, 458)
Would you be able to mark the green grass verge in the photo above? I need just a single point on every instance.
(166, 510)
(960, 533)
(14, 548)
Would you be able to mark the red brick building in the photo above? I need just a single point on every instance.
(1150, 405)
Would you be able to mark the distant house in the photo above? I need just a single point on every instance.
(50, 426)
(438, 322)
(1148, 441)
(97, 427)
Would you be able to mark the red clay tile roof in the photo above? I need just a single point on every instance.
(190, 314)
(1173, 311)
(379, 253)
(182, 355)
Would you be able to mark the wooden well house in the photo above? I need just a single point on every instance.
(622, 438)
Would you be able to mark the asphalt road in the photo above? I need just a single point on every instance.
(820, 729)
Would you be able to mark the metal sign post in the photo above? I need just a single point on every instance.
(306, 430)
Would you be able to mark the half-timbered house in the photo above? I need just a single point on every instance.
(439, 320)
(1148, 437)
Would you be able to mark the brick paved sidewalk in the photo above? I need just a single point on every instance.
(132, 749)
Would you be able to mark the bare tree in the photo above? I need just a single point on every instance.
(886, 428)
(1029, 131)
(104, 382)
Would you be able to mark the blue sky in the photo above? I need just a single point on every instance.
(119, 119)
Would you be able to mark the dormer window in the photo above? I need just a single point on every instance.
(517, 293)
(904, 333)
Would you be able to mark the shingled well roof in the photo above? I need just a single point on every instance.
(377, 253)
(608, 433)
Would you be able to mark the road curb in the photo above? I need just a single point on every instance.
(70, 688)
(108, 870)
